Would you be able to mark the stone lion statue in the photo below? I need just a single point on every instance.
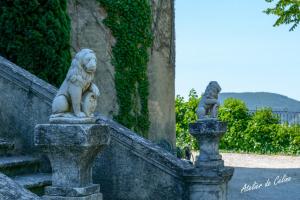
(209, 104)
(77, 95)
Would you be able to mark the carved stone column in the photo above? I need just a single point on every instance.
(209, 178)
(72, 149)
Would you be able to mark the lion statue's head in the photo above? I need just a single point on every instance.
(83, 66)
(212, 90)
(87, 59)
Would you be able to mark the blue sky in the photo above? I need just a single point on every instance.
(234, 43)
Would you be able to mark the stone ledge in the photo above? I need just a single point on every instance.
(72, 120)
(26, 80)
(72, 192)
(209, 176)
(71, 135)
(207, 126)
(97, 196)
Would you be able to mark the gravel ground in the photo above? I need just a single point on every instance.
(252, 172)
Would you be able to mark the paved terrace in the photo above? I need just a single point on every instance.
(253, 171)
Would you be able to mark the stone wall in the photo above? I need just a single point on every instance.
(131, 168)
(11, 190)
(161, 73)
(134, 168)
(88, 31)
(25, 101)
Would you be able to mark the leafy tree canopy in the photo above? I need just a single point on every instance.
(288, 12)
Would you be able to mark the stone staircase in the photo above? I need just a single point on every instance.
(23, 169)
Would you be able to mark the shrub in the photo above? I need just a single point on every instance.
(35, 34)
(260, 132)
(236, 114)
(185, 114)
(257, 133)
(287, 139)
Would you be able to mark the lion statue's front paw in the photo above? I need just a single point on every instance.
(80, 114)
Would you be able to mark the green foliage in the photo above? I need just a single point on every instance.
(288, 12)
(35, 34)
(130, 23)
(258, 133)
(185, 114)
(233, 110)
(265, 116)
(236, 114)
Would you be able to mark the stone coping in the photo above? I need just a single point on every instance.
(26, 80)
(146, 149)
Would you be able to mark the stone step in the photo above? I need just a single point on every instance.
(34, 182)
(5, 147)
(18, 165)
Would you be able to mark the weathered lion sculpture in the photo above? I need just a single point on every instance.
(209, 104)
(77, 95)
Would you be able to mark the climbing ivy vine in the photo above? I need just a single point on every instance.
(130, 23)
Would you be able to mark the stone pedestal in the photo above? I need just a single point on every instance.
(72, 149)
(209, 178)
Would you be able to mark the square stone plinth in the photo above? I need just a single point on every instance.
(71, 135)
(208, 183)
(208, 133)
(72, 149)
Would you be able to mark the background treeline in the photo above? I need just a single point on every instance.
(259, 132)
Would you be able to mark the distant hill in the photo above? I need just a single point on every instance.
(256, 100)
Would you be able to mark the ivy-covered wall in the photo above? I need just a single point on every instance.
(130, 23)
(93, 27)
(35, 34)
(134, 43)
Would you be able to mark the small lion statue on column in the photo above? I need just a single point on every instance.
(77, 96)
(209, 104)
